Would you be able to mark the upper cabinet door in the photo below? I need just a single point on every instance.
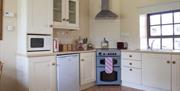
(175, 72)
(59, 13)
(41, 16)
(73, 13)
(66, 14)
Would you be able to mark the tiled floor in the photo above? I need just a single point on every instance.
(111, 88)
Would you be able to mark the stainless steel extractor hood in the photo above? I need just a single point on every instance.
(105, 12)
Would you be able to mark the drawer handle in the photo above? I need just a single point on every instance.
(130, 63)
(82, 60)
(174, 62)
(130, 56)
(53, 64)
(130, 69)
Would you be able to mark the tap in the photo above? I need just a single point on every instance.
(151, 46)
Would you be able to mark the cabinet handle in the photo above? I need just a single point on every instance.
(130, 63)
(168, 62)
(82, 59)
(53, 64)
(174, 62)
(130, 69)
(130, 56)
(51, 26)
(67, 19)
(64, 19)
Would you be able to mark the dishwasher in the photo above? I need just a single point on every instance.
(68, 72)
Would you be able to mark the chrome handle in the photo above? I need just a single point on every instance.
(174, 62)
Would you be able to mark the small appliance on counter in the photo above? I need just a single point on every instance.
(122, 45)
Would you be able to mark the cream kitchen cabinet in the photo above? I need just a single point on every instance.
(156, 70)
(175, 72)
(66, 14)
(131, 67)
(87, 69)
(35, 16)
(36, 73)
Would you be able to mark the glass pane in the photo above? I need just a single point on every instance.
(177, 17)
(167, 30)
(155, 31)
(177, 43)
(154, 19)
(177, 29)
(72, 12)
(167, 18)
(167, 43)
(154, 43)
(57, 16)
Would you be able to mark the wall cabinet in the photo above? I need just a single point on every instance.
(35, 17)
(66, 14)
(36, 73)
(131, 67)
(87, 68)
(156, 70)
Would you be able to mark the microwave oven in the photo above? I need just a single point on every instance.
(39, 42)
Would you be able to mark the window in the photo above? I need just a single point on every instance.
(164, 30)
(1, 18)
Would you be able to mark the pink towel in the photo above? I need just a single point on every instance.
(108, 65)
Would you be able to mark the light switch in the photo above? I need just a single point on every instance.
(9, 14)
(10, 28)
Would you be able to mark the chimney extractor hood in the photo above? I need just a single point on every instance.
(105, 12)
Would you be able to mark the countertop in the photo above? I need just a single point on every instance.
(153, 51)
(38, 54)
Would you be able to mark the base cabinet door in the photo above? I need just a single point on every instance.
(42, 74)
(87, 67)
(156, 70)
(175, 72)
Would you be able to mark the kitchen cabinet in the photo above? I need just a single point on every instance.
(131, 67)
(66, 14)
(35, 17)
(156, 71)
(87, 68)
(175, 72)
(36, 73)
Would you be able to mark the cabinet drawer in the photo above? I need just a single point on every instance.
(132, 75)
(131, 63)
(131, 55)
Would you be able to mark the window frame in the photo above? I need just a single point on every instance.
(1, 19)
(161, 36)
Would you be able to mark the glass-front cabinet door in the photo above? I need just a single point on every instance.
(73, 13)
(58, 13)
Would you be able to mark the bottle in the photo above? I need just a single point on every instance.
(104, 43)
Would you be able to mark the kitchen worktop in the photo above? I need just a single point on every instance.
(153, 51)
(56, 53)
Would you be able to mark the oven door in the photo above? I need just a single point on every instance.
(102, 78)
(101, 61)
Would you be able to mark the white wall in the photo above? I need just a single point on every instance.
(8, 49)
(104, 28)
